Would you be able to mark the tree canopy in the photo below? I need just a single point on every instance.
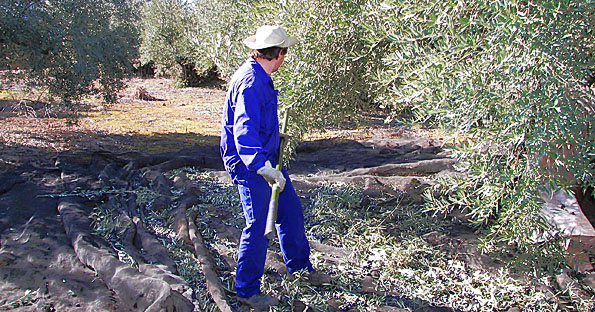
(71, 47)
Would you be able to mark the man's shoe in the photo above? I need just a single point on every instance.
(259, 301)
(317, 278)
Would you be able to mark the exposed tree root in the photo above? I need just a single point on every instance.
(368, 182)
(274, 261)
(226, 253)
(143, 95)
(182, 182)
(226, 232)
(145, 161)
(200, 156)
(154, 261)
(128, 237)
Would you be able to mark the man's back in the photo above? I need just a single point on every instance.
(250, 128)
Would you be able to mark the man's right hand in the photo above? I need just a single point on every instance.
(272, 175)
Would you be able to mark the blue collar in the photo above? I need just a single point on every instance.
(260, 73)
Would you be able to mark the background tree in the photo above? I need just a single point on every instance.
(326, 78)
(166, 27)
(218, 32)
(73, 48)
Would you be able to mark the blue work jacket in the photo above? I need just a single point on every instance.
(250, 127)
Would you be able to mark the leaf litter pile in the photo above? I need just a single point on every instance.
(128, 231)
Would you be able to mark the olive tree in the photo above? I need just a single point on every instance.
(166, 27)
(326, 77)
(220, 27)
(191, 40)
(72, 48)
(514, 80)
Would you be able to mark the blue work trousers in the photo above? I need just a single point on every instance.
(255, 194)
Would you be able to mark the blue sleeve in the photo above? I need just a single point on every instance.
(247, 128)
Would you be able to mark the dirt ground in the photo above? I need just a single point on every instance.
(50, 261)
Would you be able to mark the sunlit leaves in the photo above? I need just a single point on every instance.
(73, 48)
(509, 73)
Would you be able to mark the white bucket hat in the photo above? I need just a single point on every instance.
(270, 36)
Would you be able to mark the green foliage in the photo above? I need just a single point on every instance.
(191, 39)
(73, 48)
(221, 26)
(108, 224)
(27, 299)
(511, 75)
(332, 204)
(515, 77)
(165, 38)
(325, 79)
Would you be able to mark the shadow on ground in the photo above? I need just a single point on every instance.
(37, 254)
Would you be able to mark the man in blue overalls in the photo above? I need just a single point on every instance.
(250, 149)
